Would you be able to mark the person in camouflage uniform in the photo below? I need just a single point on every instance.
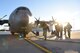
(45, 29)
(67, 29)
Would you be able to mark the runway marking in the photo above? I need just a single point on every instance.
(39, 46)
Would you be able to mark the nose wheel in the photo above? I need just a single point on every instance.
(22, 35)
(19, 35)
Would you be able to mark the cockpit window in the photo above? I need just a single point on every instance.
(21, 8)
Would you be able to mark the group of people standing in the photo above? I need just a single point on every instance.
(59, 29)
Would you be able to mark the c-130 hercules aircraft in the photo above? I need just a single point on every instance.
(19, 21)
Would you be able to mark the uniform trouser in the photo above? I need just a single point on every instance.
(45, 34)
(57, 33)
(61, 34)
(69, 33)
(64, 32)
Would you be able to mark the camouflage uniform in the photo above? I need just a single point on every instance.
(68, 29)
(45, 29)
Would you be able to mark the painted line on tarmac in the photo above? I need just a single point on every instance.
(39, 46)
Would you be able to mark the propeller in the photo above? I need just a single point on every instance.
(35, 18)
(3, 17)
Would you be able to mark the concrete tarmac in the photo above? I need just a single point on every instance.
(10, 44)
